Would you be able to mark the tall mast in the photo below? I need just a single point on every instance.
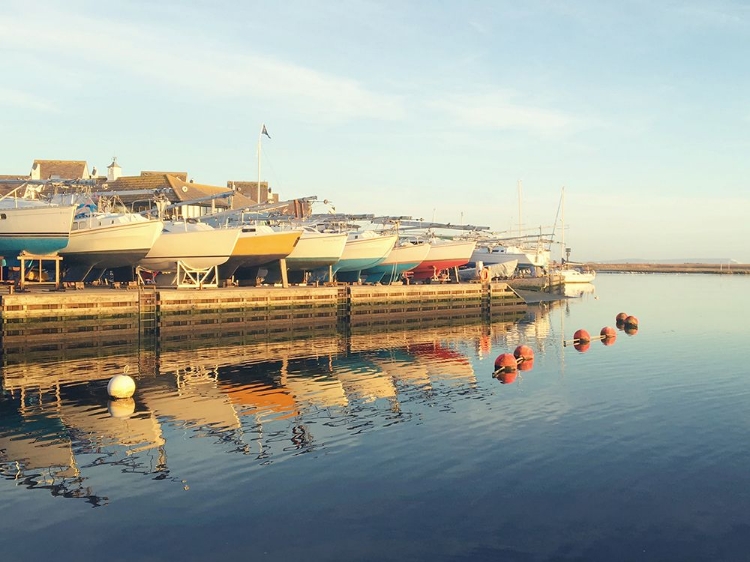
(562, 222)
(520, 185)
(260, 135)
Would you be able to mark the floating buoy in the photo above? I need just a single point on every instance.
(524, 352)
(608, 335)
(507, 377)
(631, 321)
(121, 386)
(621, 317)
(582, 346)
(582, 336)
(506, 362)
(631, 330)
(526, 365)
(123, 408)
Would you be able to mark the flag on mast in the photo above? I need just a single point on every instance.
(265, 132)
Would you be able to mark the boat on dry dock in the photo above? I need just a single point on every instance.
(33, 226)
(191, 245)
(443, 255)
(361, 251)
(403, 257)
(256, 246)
(100, 241)
(314, 250)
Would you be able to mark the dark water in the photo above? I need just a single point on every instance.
(400, 445)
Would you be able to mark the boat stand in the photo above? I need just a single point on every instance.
(189, 278)
(31, 276)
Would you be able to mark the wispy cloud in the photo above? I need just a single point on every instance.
(190, 62)
(25, 100)
(719, 14)
(500, 111)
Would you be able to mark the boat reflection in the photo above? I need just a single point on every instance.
(271, 399)
(577, 290)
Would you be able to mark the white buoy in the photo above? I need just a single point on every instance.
(123, 408)
(121, 386)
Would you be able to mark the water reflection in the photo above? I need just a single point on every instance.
(270, 400)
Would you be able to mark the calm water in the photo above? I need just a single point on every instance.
(400, 445)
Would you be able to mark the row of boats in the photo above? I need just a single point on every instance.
(95, 238)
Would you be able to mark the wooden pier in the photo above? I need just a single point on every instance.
(56, 323)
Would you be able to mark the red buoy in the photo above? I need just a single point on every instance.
(621, 317)
(582, 336)
(631, 330)
(631, 321)
(524, 352)
(506, 362)
(583, 347)
(609, 335)
(507, 377)
(526, 365)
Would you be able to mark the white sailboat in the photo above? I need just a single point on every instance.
(103, 240)
(33, 226)
(193, 245)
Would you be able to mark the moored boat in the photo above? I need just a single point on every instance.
(500, 253)
(575, 275)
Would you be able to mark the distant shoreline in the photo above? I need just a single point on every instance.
(725, 269)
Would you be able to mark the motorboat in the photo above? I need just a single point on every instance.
(494, 253)
(576, 275)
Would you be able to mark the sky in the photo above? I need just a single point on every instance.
(474, 112)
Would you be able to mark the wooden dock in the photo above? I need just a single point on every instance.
(56, 323)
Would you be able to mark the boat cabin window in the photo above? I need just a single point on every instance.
(3, 216)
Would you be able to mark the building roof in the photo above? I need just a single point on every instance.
(187, 191)
(63, 169)
(126, 183)
(176, 189)
(180, 175)
(240, 201)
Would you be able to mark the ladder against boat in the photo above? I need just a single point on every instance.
(185, 277)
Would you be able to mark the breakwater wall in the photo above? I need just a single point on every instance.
(52, 322)
(714, 268)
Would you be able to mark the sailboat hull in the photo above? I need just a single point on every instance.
(37, 230)
(444, 255)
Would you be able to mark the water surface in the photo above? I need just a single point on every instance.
(399, 445)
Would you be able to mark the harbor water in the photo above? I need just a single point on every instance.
(398, 444)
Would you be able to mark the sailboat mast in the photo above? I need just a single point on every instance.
(562, 222)
(520, 185)
(260, 135)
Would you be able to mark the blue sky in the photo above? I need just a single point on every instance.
(427, 108)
